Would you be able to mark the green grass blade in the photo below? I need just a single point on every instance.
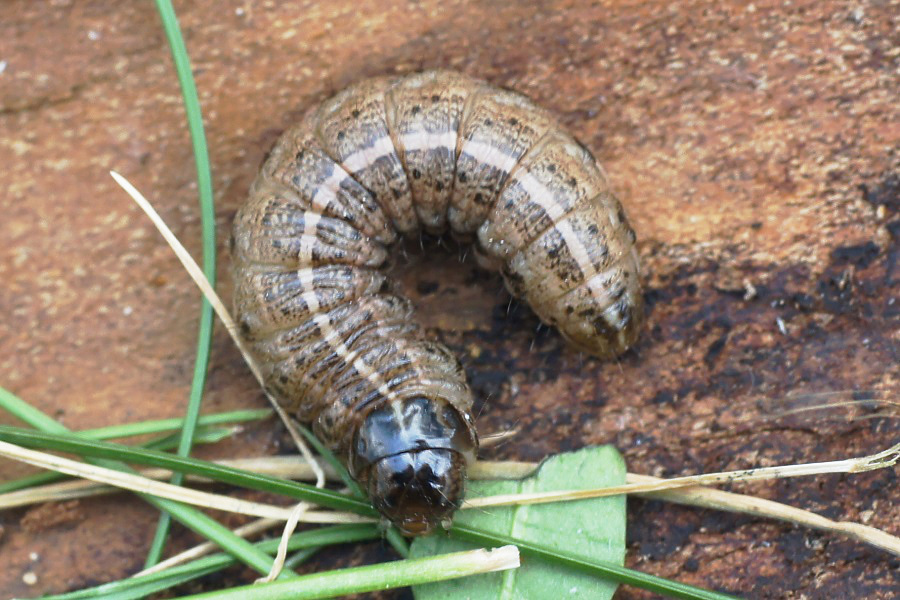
(188, 516)
(332, 460)
(356, 580)
(304, 542)
(300, 557)
(164, 425)
(29, 414)
(203, 437)
(208, 224)
(672, 589)
(68, 443)
(187, 465)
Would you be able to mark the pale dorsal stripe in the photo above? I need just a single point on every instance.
(540, 195)
(367, 156)
(310, 236)
(598, 285)
(330, 336)
(490, 155)
(326, 192)
(426, 140)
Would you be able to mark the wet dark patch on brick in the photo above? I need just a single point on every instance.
(860, 255)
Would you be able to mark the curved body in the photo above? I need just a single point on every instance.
(390, 157)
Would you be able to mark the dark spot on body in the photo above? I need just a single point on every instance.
(593, 229)
(488, 122)
(602, 328)
(573, 182)
(416, 109)
(463, 177)
(417, 174)
(551, 168)
(515, 280)
(435, 97)
(513, 121)
(439, 185)
(340, 135)
(479, 198)
(355, 113)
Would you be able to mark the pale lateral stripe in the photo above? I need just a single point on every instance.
(331, 338)
(490, 155)
(326, 191)
(582, 258)
(364, 157)
(310, 235)
(306, 277)
(576, 249)
(540, 195)
(426, 140)
(311, 300)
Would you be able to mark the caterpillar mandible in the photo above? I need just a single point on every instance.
(339, 348)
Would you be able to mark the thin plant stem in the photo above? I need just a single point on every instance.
(382, 576)
(190, 517)
(208, 226)
(142, 584)
(611, 571)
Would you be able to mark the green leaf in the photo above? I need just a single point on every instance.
(593, 529)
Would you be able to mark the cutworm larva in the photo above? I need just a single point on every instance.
(391, 157)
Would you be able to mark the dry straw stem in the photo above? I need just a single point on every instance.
(884, 459)
(244, 531)
(196, 273)
(760, 507)
(290, 467)
(140, 484)
(887, 404)
(644, 487)
(218, 306)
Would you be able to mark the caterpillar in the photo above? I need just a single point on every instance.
(392, 157)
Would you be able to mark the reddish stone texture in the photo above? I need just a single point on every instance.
(754, 145)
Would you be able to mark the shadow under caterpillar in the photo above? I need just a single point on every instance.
(390, 157)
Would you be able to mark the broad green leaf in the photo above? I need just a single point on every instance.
(589, 528)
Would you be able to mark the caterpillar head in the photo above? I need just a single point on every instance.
(412, 454)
